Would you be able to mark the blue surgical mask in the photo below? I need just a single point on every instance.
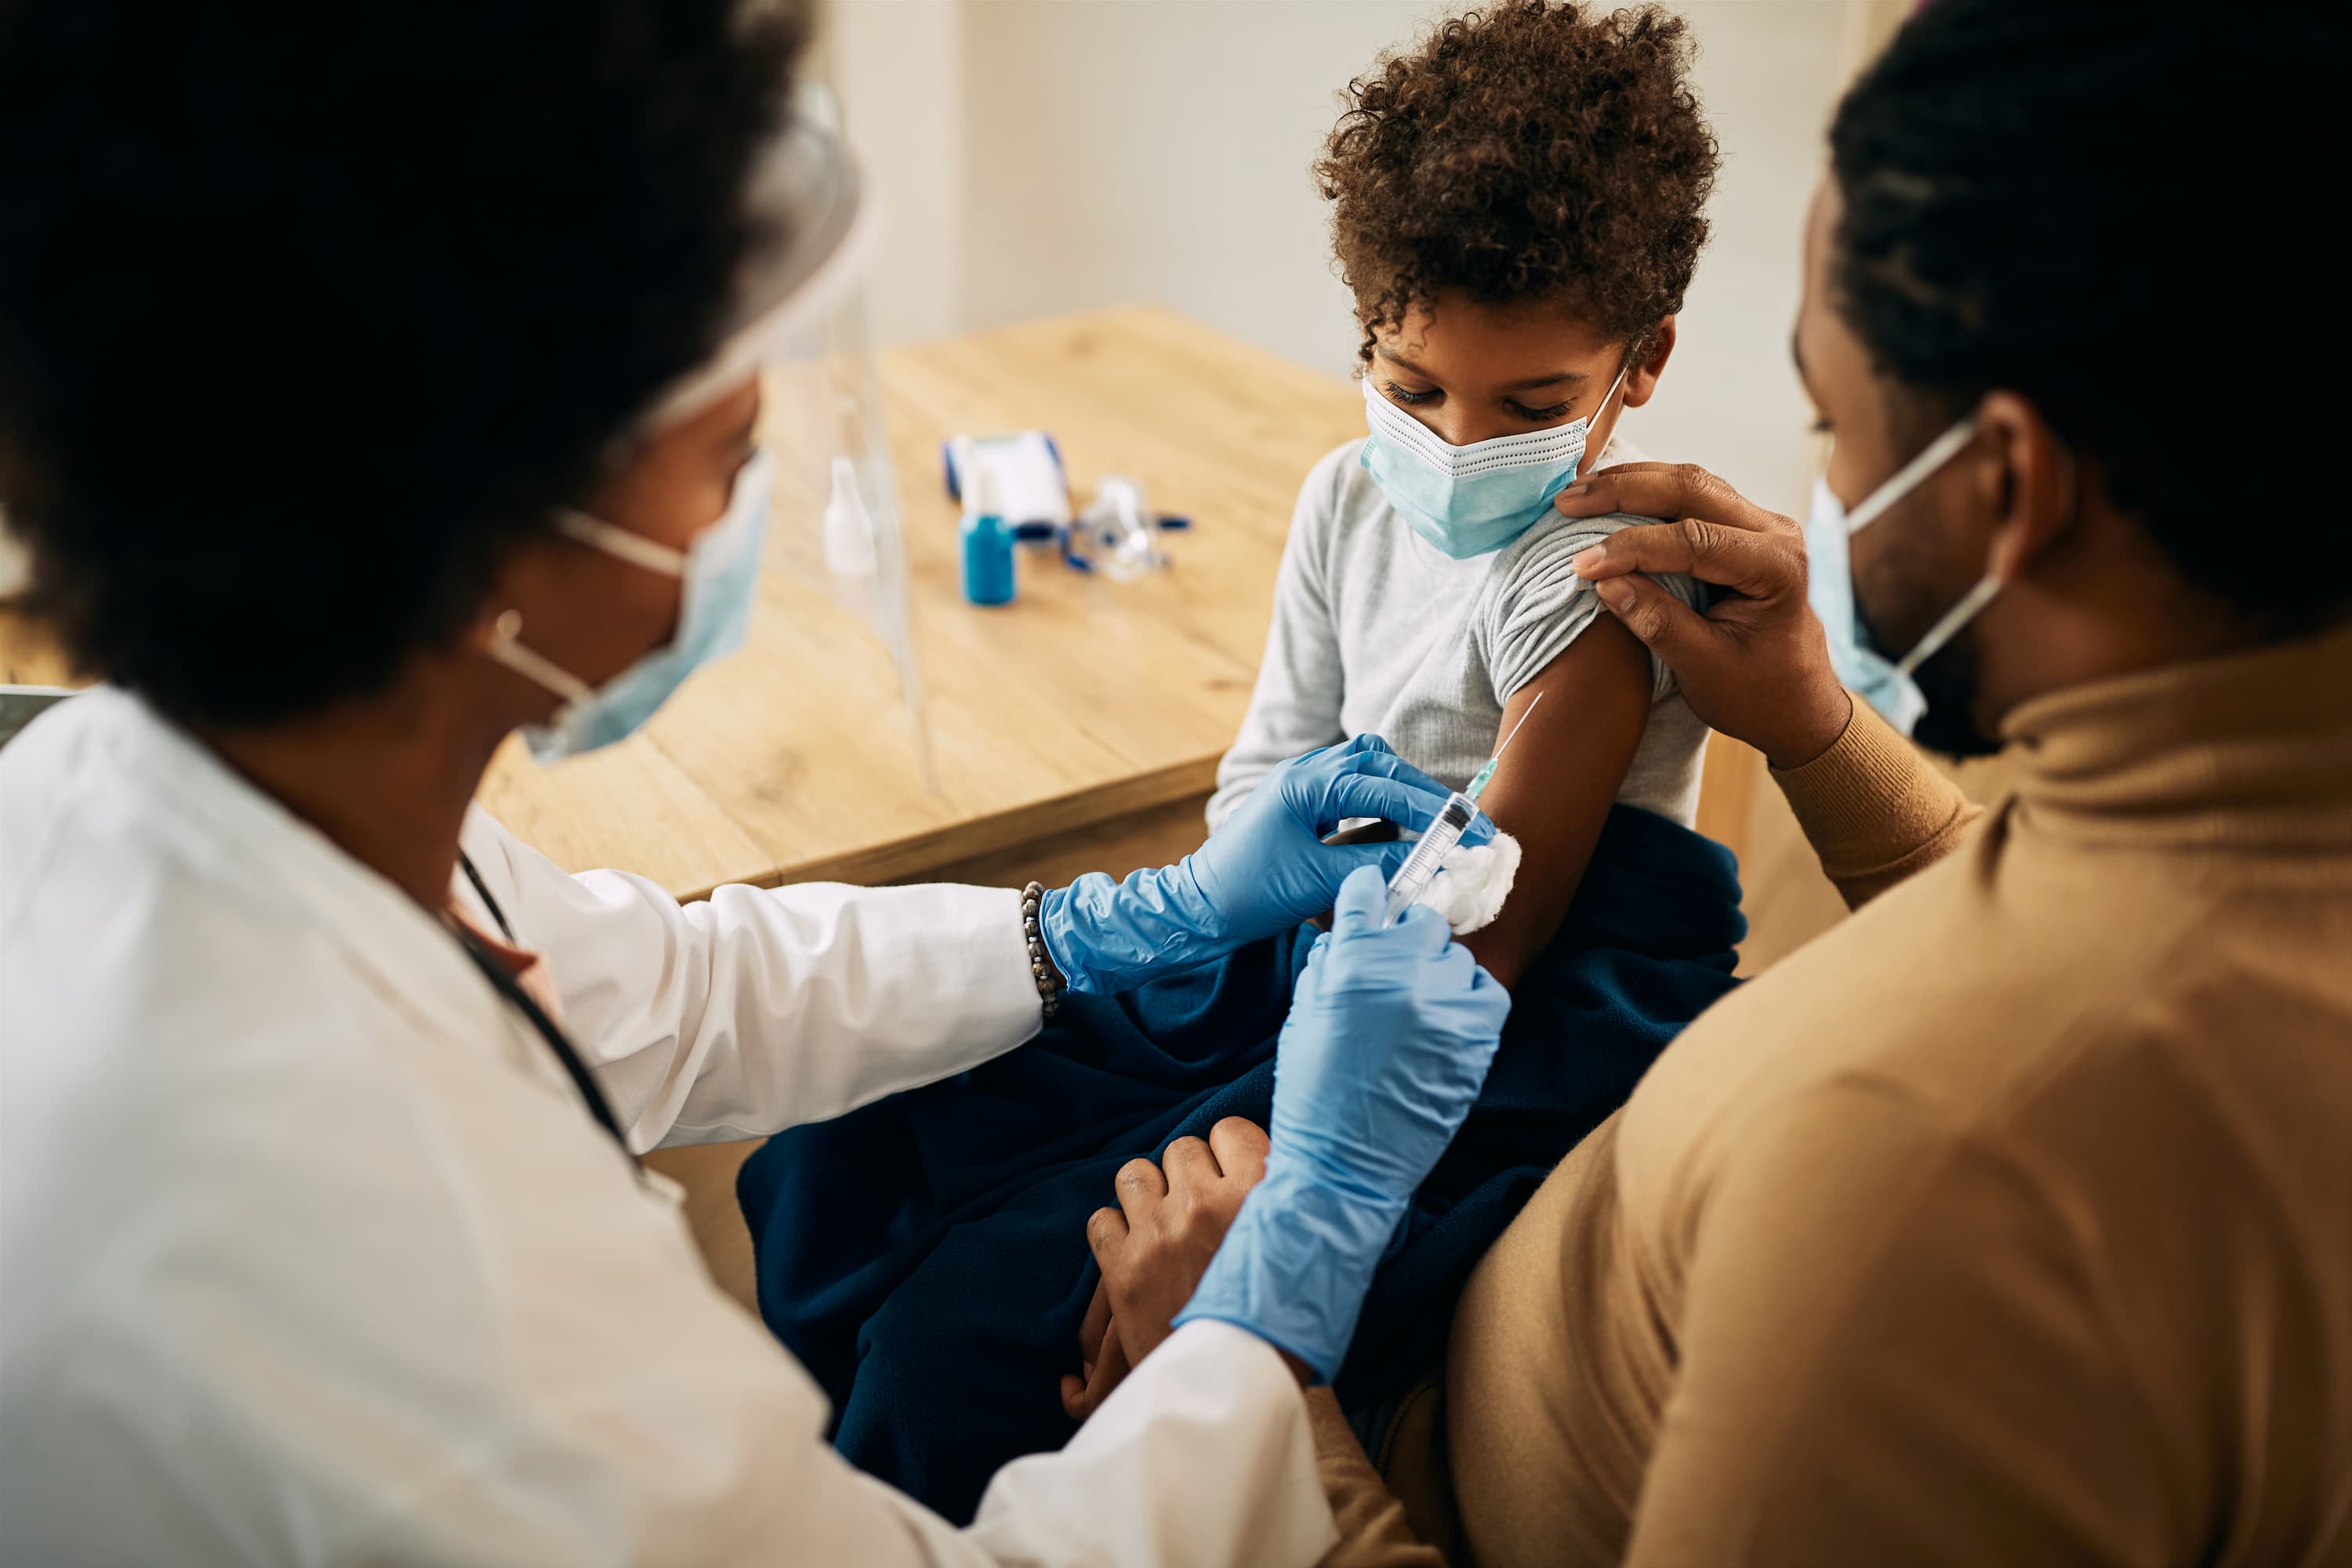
(1885, 682)
(720, 574)
(1470, 501)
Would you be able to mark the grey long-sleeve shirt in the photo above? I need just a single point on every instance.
(1376, 631)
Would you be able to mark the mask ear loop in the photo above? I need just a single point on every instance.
(1958, 616)
(507, 649)
(1988, 586)
(620, 543)
(1594, 417)
(1911, 475)
(506, 644)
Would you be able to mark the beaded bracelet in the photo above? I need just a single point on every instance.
(1049, 981)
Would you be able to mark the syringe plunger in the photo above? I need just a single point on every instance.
(1420, 867)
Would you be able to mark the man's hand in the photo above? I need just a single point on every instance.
(1154, 1247)
(1757, 665)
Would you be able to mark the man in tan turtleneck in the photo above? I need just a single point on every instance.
(2011, 1220)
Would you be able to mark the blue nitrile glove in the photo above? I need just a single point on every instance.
(1266, 869)
(1389, 1040)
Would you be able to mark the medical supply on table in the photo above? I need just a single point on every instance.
(1428, 858)
(849, 551)
(1032, 491)
(1119, 533)
(987, 543)
(1389, 1036)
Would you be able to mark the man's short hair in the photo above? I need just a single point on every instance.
(2118, 213)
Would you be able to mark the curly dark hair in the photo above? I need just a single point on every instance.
(1535, 152)
(2016, 179)
(309, 313)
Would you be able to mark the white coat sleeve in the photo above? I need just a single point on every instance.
(1203, 1455)
(760, 1008)
(1203, 1459)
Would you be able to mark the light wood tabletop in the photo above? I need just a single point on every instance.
(1082, 701)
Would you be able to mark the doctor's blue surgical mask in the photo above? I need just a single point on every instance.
(720, 574)
(1885, 682)
(1470, 501)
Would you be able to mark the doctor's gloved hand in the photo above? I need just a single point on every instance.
(1389, 1040)
(1266, 870)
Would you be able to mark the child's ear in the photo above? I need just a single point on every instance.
(1642, 380)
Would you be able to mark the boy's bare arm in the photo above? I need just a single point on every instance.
(1553, 792)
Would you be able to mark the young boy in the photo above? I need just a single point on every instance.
(1517, 207)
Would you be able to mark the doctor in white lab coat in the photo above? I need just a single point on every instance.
(312, 1247)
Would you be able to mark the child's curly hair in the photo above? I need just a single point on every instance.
(1533, 152)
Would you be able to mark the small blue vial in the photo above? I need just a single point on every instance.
(987, 544)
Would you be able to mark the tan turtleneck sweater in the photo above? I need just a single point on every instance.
(2009, 1221)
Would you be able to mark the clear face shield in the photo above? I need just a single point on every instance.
(828, 635)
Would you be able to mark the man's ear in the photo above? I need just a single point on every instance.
(1642, 380)
(2024, 480)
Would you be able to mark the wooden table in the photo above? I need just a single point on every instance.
(1084, 701)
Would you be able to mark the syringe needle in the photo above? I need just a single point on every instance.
(1477, 786)
(1517, 728)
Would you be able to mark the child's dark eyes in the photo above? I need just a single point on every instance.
(1413, 399)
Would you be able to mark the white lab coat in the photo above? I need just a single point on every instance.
(309, 1252)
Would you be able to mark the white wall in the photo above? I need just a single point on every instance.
(1158, 150)
(898, 66)
(1044, 155)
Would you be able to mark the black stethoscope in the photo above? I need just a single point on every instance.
(503, 982)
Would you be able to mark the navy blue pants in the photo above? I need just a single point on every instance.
(925, 1257)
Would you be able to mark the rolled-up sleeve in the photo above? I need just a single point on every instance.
(1535, 606)
(1873, 810)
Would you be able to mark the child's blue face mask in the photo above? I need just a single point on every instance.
(1470, 501)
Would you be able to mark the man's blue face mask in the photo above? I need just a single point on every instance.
(1470, 501)
(1873, 672)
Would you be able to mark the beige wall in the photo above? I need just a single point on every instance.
(1041, 155)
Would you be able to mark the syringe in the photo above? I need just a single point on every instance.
(1454, 819)
(1420, 867)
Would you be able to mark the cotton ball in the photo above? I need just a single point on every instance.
(1470, 884)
